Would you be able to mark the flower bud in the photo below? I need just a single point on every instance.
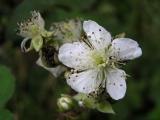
(80, 103)
(65, 103)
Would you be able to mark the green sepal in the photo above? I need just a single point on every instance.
(37, 43)
(93, 103)
(47, 33)
(105, 107)
(121, 35)
(88, 101)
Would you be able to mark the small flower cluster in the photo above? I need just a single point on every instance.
(33, 29)
(88, 55)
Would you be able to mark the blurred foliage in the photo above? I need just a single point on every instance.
(7, 86)
(37, 91)
(6, 115)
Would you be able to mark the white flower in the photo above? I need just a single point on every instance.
(67, 31)
(33, 26)
(33, 29)
(94, 61)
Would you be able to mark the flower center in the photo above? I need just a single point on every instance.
(99, 58)
(35, 30)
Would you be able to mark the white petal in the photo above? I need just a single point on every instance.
(37, 19)
(75, 55)
(116, 84)
(84, 82)
(125, 49)
(56, 71)
(32, 27)
(23, 45)
(97, 35)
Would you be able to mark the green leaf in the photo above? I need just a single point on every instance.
(6, 115)
(105, 107)
(7, 85)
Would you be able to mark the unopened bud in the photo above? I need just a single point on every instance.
(80, 103)
(65, 103)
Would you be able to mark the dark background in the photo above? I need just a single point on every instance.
(37, 91)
